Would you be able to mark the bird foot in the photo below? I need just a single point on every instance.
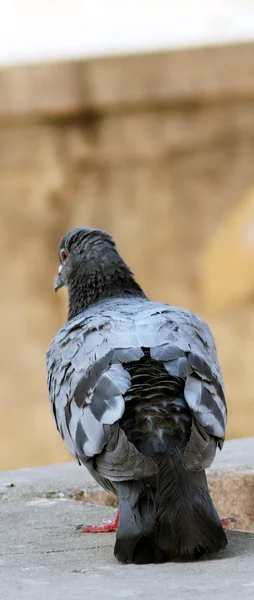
(226, 522)
(109, 526)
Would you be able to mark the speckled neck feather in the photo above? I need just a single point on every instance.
(86, 288)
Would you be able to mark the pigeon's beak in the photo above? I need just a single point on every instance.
(59, 282)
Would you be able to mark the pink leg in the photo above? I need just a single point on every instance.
(108, 527)
(226, 522)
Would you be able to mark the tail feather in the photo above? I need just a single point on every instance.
(135, 533)
(168, 517)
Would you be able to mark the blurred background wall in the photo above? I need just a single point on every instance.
(156, 147)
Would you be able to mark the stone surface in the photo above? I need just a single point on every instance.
(43, 556)
(231, 481)
(236, 456)
(41, 553)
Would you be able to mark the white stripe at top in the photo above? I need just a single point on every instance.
(40, 30)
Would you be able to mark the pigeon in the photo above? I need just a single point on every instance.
(137, 394)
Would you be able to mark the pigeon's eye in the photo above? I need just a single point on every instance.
(64, 255)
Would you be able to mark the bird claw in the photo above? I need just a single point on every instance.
(107, 521)
(109, 526)
(226, 522)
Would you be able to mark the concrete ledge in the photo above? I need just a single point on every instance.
(65, 88)
(42, 554)
(231, 481)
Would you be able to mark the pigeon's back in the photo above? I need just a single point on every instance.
(124, 328)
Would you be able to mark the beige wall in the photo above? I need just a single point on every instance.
(167, 179)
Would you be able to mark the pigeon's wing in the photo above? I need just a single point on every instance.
(190, 353)
(87, 382)
(87, 400)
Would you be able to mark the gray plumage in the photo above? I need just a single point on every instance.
(114, 419)
(87, 347)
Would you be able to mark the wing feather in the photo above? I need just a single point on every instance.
(87, 380)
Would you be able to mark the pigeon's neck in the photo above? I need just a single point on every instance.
(86, 289)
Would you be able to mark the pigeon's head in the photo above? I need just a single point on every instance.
(83, 249)
(92, 269)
